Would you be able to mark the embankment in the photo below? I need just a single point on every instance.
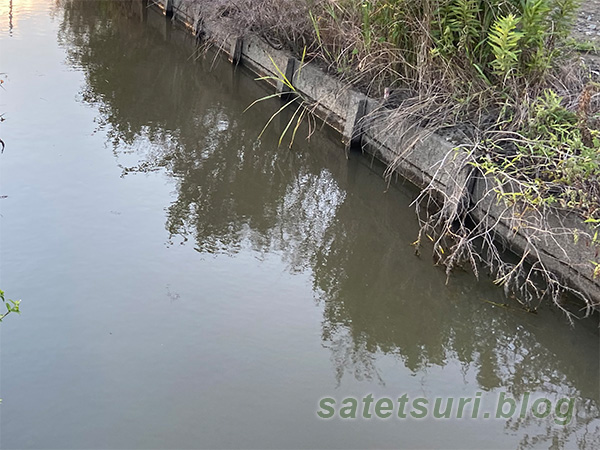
(555, 242)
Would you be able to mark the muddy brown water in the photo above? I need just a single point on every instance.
(188, 285)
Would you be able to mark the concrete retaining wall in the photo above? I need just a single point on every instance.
(345, 110)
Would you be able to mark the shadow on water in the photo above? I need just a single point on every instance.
(163, 110)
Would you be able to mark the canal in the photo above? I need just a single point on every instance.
(187, 284)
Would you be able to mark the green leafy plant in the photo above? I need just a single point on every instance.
(12, 306)
(584, 46)
(504, 42)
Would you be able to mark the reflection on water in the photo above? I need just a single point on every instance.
(235, 192)
(322, 215)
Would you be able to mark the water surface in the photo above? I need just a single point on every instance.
(188, 285)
